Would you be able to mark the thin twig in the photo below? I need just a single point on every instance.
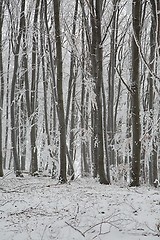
(44, 232)
(76, 229)
(128, 88)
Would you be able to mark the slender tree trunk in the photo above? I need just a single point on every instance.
(45, 82)
(94, 122)
(7, 105)
(61, 117)
(2, 88)
(34, 160)
(22, 126)
(25, 104)
(154, 41)
(102, 177)
(13, 126)
(128, 159)
(72, 64)
(82, 102)
(72, 134)
(25, 68)
(1, 155)
(136, 144)
(111, 83)
(71, 93)
(84, 149)
(16, 50)
(105, 134)
(53, 82)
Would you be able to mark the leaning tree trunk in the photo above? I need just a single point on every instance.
(136, 145)
(61, 117)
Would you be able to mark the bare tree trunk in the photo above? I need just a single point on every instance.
(2, 88)
(136, 144)
(102, 176)
(84, 104)
(111, 82)
(61, 117)
(83, 155)
(16, 50)
(45, 79)
(7, 105)
(53, 83)
(94, 122)
(21, 122)
(105, 134)
(154, 41)
(71, 92)
(25, 68)
(1, 155)
(72, 134)
(34, 160)
(72, 63)
(25, 105)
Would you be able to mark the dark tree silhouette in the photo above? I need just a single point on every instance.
(136, 145)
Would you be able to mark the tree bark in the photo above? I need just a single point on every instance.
(84, 105)
(94, 123)
(16, 50)
(34, 160)
(136, 126)
(2, 88)
(61, 117)
(111, 82)
(154, 41)
(102, 177)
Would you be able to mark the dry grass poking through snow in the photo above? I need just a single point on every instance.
(40, 209)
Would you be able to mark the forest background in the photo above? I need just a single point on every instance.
(80, 91)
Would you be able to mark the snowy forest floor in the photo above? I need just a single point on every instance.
(38, 208)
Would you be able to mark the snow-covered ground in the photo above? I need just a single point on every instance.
(38, 208)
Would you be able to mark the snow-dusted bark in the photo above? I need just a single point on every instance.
(60, 112)
(136, 126)
(2, 87)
